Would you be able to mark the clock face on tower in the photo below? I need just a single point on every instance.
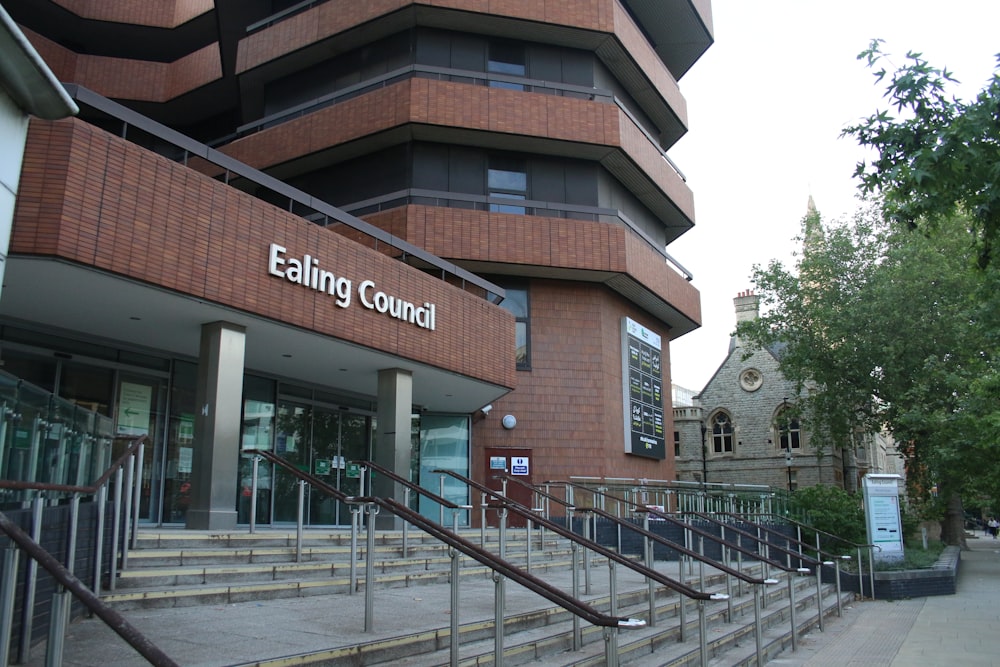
(751, 379)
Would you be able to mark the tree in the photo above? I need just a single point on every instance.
(939, 156)
(882, 327)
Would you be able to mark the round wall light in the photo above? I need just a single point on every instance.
(509, 421)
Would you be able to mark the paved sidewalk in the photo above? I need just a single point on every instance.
(961, 629)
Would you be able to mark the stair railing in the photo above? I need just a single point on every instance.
(650, 537)
(501, 568)
(725, 544)
(501, 501)
(123, 529)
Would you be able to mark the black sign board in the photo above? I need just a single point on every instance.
(643, 380)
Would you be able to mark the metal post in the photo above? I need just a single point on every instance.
(861, 576)
(681, 598)
(372, 511)
(702, 633)
(729, 577)
(27, 618)
(611, 647)
(453, 554)
(10, 558)
(791, 611)
(527, 546)
(355, 520)
(575, 559)
(406, 524)
(441, 493)
(871, 570)
(650, 562)
(758, 631)
(613, 587)
(253, 494)
(58, 619)
(586, 557)
(498, 614)
(299, 519)
(819, 593)
(136, 498)
(116, 516)
(102, 501)
(127, 504)
(840, 606)
(482, 521)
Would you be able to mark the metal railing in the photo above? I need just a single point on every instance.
(123, 477)
(762, 538)
(502, 568)
(504, 504)
(650, 537)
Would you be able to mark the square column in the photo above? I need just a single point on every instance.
(217, 427)
(392, 435)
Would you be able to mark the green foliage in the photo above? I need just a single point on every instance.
(937, 156)
(832, 510)
(891, 321)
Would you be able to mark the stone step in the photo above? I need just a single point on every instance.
(545, 635)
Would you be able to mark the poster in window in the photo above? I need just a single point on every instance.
(642, 391)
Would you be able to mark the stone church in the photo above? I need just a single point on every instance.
(743, 429)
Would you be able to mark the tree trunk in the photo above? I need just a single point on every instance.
(953, 523)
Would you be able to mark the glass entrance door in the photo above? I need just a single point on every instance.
(322, 441)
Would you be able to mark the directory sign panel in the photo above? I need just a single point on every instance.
(643, 391)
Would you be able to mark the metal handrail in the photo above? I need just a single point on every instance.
(20, 485)
(526, 512)
(112, 618)
(653, 536)
(64, 575)
(459, 543)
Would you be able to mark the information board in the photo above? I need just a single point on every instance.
(881, 495)
(642, 375)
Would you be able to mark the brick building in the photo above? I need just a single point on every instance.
(430, 233)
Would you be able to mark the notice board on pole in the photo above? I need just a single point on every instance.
(642, 379)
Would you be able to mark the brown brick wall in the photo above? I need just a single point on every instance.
(157, 13)
(569, 405)
(91, 198)
(126, 79)
(331, 18)
(480, 236)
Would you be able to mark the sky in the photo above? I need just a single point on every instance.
(766, 107)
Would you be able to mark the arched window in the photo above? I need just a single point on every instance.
(722, 434)
(789, 432)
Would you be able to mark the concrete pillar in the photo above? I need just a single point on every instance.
(217, 427)
(392, 435)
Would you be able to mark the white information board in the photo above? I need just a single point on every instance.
(885, 529)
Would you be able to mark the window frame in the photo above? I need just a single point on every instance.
(723, 440)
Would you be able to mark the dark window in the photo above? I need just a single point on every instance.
(507, 179)
(722, 434)
(789, 433)
(517, 303)
(677, 444)
(506, 58)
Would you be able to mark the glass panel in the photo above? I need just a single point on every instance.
(444, 445)
(291, 443)
(325, 465)
(140, 412)
(178, 456)
(258, 433)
